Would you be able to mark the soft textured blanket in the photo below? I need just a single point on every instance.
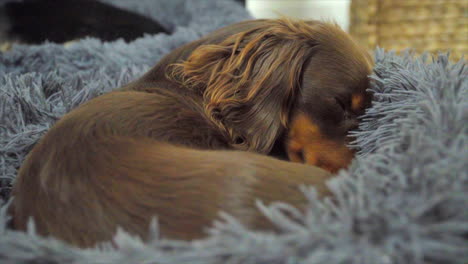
(404, 199)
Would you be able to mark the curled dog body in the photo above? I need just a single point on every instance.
(192, 136)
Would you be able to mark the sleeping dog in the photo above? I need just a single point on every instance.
(196, 134)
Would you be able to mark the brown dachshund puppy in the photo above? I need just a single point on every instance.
(185, 142)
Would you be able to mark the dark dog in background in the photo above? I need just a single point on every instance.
(60, 21)
(188, 138)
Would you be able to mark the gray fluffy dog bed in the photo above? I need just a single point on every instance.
(404, 199)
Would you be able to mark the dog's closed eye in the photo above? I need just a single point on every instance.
(300, 155)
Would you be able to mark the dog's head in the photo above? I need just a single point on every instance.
(301, 82)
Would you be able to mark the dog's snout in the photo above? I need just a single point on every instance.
(307, 144)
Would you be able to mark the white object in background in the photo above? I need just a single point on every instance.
(336, 10)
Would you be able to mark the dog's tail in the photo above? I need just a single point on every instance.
(129, 181)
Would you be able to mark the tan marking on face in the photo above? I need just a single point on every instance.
(357, 102)
(306, 144)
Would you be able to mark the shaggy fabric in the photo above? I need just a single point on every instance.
(404, 199)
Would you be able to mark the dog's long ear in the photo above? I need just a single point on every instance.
(250, 79)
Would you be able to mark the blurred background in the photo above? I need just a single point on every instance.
(337, 10)
(422, 25)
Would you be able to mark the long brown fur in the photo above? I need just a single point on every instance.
(186, 139)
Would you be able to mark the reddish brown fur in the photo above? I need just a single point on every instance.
(185, 145)
(314, 147)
